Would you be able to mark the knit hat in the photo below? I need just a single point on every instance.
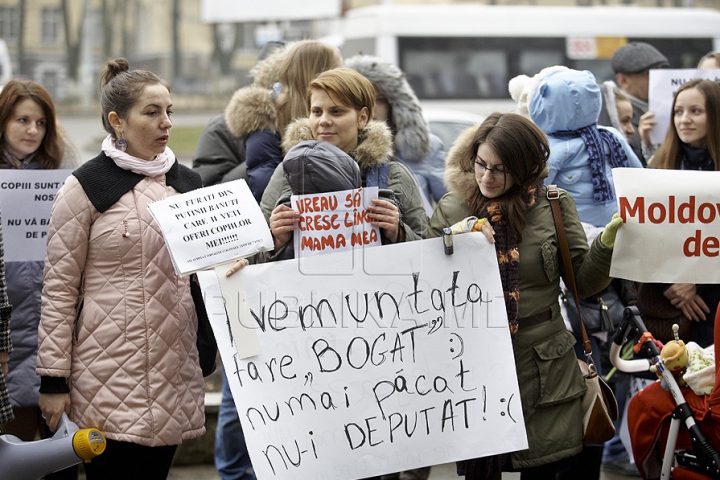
(637, 57)
(314, 166)
(522, 87)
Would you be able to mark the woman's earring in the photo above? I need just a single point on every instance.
(121, 144)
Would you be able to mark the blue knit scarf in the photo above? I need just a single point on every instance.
(593, 138)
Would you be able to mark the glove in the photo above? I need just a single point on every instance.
(608, 235)
(469, 224)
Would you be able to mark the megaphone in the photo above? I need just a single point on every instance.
(33, 460)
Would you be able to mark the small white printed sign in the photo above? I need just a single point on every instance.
(211, 225)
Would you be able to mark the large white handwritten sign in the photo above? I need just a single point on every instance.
(402, 361)
(662, 86)
(672, 226)
(211, 225)
(334, 221)
(26, 199)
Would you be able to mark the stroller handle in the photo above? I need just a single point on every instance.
(632, 324)
(627, 366)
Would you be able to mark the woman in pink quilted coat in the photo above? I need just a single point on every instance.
(117, 337)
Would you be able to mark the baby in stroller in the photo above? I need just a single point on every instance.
(650, 414)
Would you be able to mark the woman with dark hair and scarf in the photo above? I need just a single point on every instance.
(495, 172)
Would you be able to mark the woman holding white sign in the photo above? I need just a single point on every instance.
(30, 139)
(693, 143)
(495, 172)
(117, 338)
(341, 103)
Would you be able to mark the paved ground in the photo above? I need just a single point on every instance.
(441, 472)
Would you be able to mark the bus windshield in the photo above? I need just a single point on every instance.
(463, 51)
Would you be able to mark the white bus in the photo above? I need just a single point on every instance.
(470, 51)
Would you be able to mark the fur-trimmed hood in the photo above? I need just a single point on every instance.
(252, 108)
(459, 169)
(267, 71)
(412, 138)
(374, 142)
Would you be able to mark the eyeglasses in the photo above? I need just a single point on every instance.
(495, 172)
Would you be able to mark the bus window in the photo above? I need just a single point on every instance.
(473, 67)
(532, 61)
(460, 74)
(490, 70)
(466, 51)
(602, 69)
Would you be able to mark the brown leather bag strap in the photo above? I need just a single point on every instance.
(554, 196)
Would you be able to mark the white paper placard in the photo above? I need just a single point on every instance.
(242, 342)
(334, 221)
(26, 200)
(401, 362)
(211, 225)
(671, 232)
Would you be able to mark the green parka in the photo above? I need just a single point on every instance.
(550, 382)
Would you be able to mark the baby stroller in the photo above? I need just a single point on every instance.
(661, 446)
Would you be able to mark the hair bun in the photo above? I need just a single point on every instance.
(112, 69)
(117, 66)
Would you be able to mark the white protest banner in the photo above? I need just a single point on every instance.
(26, 199)
(241, 342)
(211, 225)
(334, 221)
(672, 226)
(663, 84)
(403, 361)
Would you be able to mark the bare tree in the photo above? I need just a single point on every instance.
(130, 24)
(21, 39)
(108, 29)
(114, 18)
(73, 39)
(176, 54)
(225, 42)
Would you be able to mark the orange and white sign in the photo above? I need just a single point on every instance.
(671, 231)
(335, 221)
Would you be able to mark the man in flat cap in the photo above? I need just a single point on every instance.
(632, 64)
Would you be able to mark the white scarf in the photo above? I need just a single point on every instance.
(160, 165)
